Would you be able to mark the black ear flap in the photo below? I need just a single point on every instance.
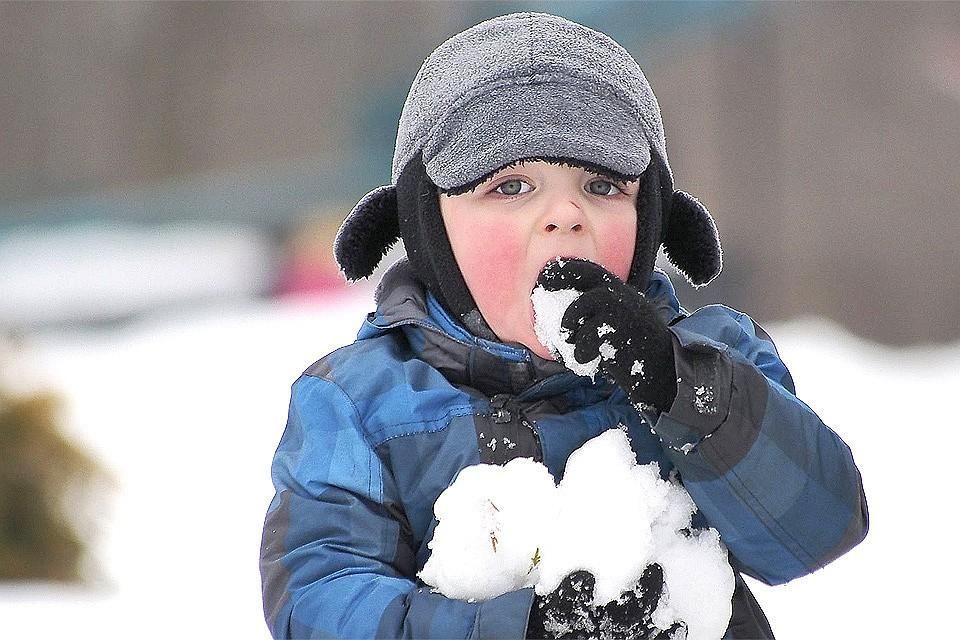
(691, 242)
(367, 233)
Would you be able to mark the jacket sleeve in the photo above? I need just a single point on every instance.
(778, 484)
(336, 558)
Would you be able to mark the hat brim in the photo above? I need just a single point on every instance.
(529, 119)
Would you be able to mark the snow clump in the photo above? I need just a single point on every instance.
(503, 528)
(486, 541)
(548, 308)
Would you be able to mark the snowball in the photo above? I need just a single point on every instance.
(510, 527)
(548, 310)
(489, 520)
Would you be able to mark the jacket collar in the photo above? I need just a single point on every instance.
(491, 367)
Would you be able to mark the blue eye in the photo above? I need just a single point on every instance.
(512, 187)
(607, 188)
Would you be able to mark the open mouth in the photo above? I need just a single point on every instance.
(558, 260)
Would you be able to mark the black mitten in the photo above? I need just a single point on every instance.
(567, 612)
(630, 615)
(616, 322)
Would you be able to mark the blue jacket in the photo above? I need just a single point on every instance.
(377, 429)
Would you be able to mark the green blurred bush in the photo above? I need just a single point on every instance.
(45, 480)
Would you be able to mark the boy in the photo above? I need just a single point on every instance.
(525, 138)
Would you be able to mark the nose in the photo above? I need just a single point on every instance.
(564, 215)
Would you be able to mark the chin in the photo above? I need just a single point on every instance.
(541, 351)
(526, 338)
(516, 325)
(531, 342)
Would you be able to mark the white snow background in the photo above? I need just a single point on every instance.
(186, 410)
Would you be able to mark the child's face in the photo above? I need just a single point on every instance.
(505, 231)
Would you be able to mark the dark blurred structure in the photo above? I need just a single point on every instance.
(823, 136)
(44, 480)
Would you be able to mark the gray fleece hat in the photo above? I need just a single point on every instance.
(521, 86)
(524, 85)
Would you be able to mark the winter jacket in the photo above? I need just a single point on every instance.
(379, 428)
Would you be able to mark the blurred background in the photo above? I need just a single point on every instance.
(172, 175)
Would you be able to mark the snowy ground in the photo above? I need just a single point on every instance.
(95, 272)
(186, 411)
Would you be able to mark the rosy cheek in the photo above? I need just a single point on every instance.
(616, 249)
(492, 266)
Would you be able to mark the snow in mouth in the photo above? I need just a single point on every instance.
(548, 310)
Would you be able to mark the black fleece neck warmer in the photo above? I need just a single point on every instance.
(428, 247)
